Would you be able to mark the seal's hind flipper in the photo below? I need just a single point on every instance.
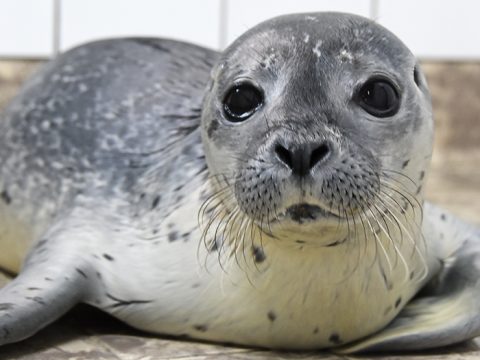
(448, 313)
(48, 286)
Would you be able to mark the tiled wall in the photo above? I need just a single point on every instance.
(440, 29)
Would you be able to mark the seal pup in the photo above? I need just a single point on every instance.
(270, 195)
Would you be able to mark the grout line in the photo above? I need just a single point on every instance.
(56, 26)
(374, 9)
(223, 24)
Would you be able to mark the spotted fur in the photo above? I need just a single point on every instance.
(123, 185)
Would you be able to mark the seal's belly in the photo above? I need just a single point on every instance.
(287, 296)
(298, 303)
(296, 307)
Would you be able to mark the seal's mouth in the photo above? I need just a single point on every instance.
(303, 213)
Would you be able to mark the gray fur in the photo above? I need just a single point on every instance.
(109, 154)
(309, 98)
(91, 121)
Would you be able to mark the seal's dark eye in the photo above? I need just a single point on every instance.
(379, 98)
(241, 102)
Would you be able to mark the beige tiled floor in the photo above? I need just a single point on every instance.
(454, 183)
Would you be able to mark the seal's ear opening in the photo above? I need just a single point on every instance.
(416, 76)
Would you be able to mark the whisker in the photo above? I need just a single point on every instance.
(407, 195)
(384, 170)
(398, 253)
(379, 242)
(413, 242)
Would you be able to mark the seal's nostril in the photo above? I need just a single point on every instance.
(301, 159)
(284, 155)
(319, 154)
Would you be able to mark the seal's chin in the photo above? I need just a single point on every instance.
(305, 213)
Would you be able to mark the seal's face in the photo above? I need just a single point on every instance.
(315, 120)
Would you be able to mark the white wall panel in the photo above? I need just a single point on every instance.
(435, 28)
(26, 28)
(189, 20)
(243, 14)
(442, 29)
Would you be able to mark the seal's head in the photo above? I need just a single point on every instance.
(315, 120)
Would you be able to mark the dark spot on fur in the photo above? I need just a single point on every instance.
(443, 217)
(155, 201)
(121, 302)
(398, 302)
(387, 283)
(300, 241)
(335, 339)
(201, 328)
(387, 310)
(212, 127)
(405, 163)
(33, 288)
(418, 190)
(41, 243)
(48, 279)
(315, 331)
(6, 197)
(422, 175)
(178, 188)
(81, 273)
(6, 306)
(271, 316)
(36, 299)
(258, 254)
(108, 257)
(187, 150)
(412, 274)
(172, 236)
(338, 242)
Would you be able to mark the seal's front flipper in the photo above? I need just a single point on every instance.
(48, 286)
(449, 313)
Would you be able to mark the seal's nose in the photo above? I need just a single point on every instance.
(301, 159)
